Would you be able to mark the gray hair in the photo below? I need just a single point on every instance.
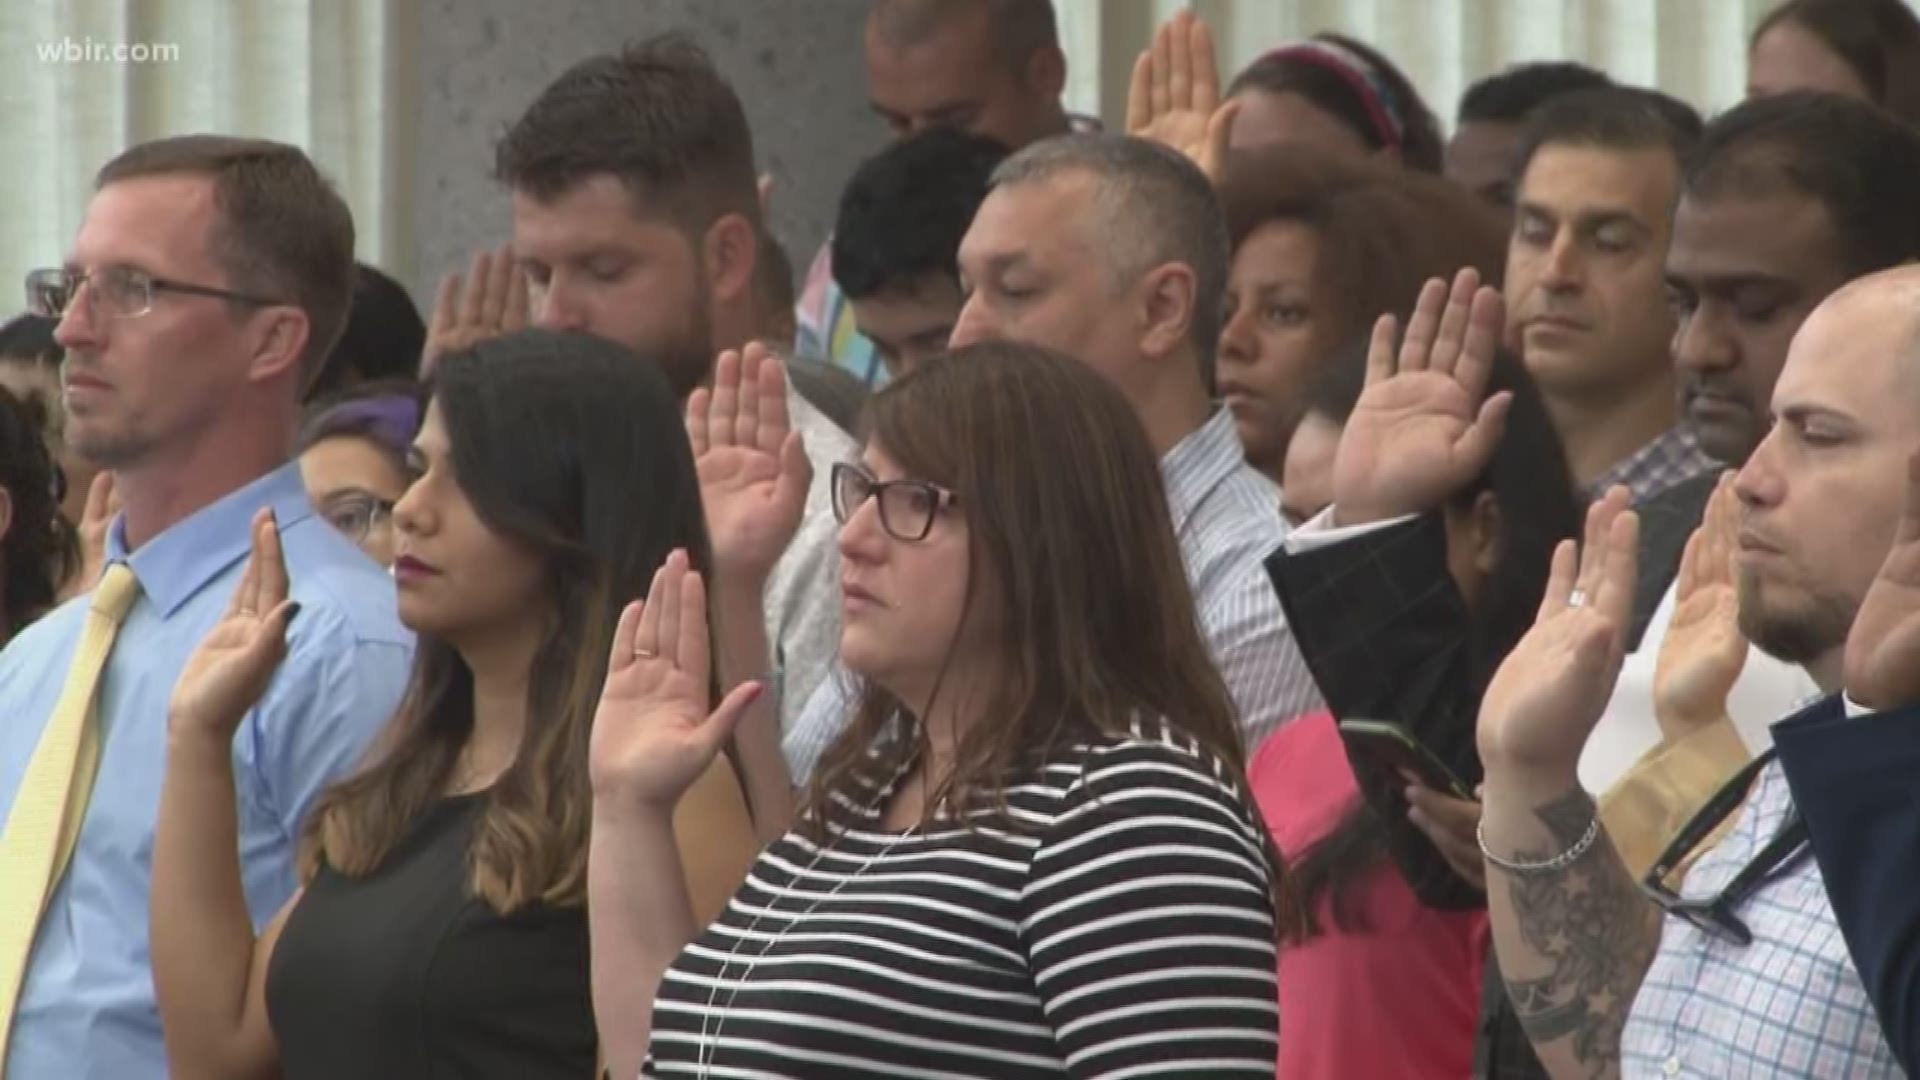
(1152, 207)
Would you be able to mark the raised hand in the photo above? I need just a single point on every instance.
(1553, 686)
(655, 731)
(753, 469)
(1421, 431)
(491, 301)
(1883, 648)
(229, 672)
(1174, 98)
(1704, 650)
(103, 502)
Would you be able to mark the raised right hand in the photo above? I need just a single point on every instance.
(492, 301)
(1420, 431)
(1174, 98)
(1551, 689)
(229, 672)
(1703, 652)
(653, 735)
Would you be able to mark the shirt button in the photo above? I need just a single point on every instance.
(1671, 1066)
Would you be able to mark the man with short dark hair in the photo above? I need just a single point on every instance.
(382, 339)
(1599, 172)
(992, 68)
(1480, 154)
(1113, 251)
(206, 285)
(1784, 200)
(636, 218)
(896, 241)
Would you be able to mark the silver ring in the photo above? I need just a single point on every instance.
(644, 654)
(1577, 598)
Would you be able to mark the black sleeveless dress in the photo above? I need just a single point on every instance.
(403, 974)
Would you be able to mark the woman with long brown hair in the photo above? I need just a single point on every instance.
(441, 926)
(1031, 854)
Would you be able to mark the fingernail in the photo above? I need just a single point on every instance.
(293, 611)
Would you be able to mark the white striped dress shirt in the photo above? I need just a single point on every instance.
(1227, 519)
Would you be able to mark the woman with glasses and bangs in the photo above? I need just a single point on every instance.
(353, 459)
(1031, 854)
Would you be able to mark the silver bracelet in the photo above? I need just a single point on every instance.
(1534, 869)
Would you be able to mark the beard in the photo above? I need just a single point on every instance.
(686, 354)
(1797, 629)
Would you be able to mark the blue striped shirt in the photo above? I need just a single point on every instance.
(1227, 519)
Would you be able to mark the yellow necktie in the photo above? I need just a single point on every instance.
(44, 824)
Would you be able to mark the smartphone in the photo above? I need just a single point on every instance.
(1393, 746)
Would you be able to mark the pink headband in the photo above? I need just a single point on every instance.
(1360, 77)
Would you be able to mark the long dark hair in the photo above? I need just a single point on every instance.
(39, 549)
(573, 447)
(1532, 486)
(1068, 524)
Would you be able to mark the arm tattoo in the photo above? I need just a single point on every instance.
(1593, 928)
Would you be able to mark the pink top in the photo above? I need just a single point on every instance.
(1401, 999)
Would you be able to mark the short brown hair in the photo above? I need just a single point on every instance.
(1380, 232)
(282, 229)
(657, 115)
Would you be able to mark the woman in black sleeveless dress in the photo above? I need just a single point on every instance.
(441, 928)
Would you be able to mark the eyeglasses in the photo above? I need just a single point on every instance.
(356, 513)
(1714, 915)
(907, 507)
(121, 291)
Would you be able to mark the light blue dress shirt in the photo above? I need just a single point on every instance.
(87, 1011)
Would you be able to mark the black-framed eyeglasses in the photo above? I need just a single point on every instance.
(907, 507)
(356, 513)
(1714, 915)
(120, 291)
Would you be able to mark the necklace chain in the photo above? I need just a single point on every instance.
(708, 1048)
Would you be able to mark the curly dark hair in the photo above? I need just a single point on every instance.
(38, 551)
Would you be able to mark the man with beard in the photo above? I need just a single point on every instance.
(636, 218)
(1751, 975)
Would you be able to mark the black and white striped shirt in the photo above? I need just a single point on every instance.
(1125, 930)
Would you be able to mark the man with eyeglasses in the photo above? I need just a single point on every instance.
(1751, 974)
(209, 279)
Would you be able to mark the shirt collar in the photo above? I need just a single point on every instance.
(178, 563)
(1199, 463)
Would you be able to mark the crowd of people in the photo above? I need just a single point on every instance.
(1278, 590)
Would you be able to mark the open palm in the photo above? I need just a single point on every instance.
(1174, 98)
(1883, 648)
(655, 731)
(753, 468)
(1553, 686)
(1704, 651)
(227, 675)
(1420, 431)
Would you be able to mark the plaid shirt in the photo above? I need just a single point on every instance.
(1673, 458)
(1790, 1004)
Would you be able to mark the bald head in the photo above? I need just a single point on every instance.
(988, 67)
(1823, 490)
(1021, 26)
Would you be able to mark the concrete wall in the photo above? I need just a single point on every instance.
(795, 63)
